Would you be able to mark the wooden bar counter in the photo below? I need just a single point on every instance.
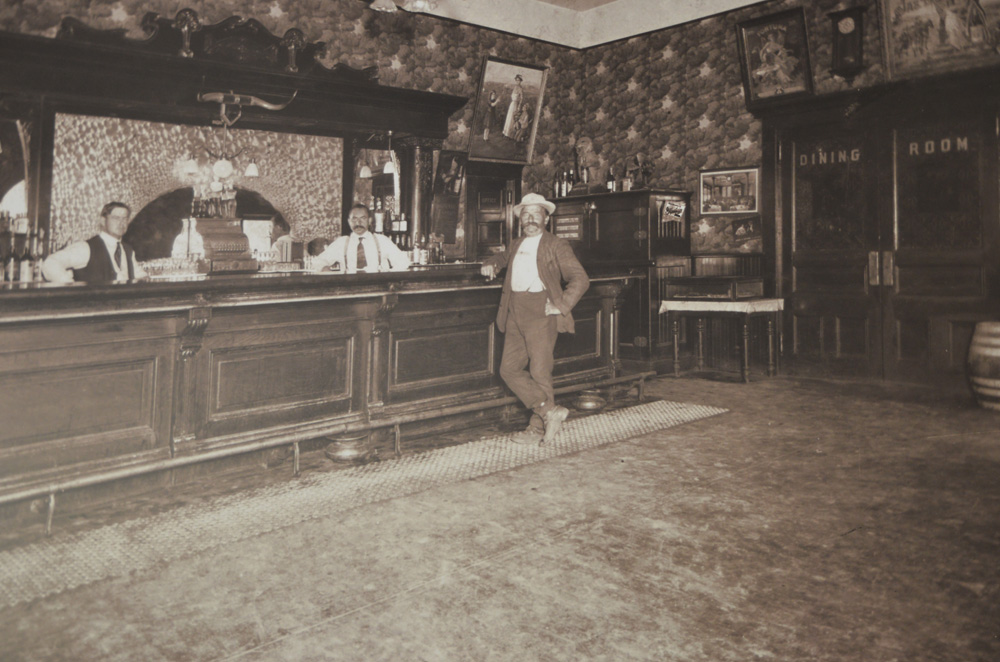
(115, 381)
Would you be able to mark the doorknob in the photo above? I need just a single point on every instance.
(888, 268)
(873, 273)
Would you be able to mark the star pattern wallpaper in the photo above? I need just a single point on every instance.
(674, 95)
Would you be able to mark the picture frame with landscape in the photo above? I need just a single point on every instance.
(923, 37)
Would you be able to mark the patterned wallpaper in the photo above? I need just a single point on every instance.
(99, 159)
(674, 95)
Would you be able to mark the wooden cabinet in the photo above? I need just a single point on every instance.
(634, 230)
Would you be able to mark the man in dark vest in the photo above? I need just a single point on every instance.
(103, 258)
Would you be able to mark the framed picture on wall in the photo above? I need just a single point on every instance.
(729, 191)
(930, 36)
(508, 106)
(774, 57)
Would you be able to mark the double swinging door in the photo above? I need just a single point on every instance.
(888, 242)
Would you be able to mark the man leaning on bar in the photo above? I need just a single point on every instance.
(104, 258)
(534, 309)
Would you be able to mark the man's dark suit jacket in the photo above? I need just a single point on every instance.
(556, 264)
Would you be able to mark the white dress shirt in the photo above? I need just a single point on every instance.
(344, 251)
(524, 269)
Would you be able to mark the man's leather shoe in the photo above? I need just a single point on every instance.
(553, 421)
(529, 437)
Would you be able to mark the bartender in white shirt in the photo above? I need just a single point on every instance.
(362, 250)
(104, 258)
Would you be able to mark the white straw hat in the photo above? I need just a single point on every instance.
(534, 199)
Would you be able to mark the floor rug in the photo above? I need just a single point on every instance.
(37, 570)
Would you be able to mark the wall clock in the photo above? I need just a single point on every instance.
(848, 42)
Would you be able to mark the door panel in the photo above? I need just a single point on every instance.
(891, 229)
(943, 213)
(833, 225)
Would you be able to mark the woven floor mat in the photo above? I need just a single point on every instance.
(45, 568)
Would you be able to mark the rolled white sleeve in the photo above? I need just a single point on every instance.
(58, 267)
(138, 273)
(397, 259)
(331, 255)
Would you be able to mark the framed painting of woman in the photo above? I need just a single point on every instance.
(508, 106)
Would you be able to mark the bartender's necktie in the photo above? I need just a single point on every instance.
(362, 262)
(118, 255)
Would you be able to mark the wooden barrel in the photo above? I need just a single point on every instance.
(984, 364)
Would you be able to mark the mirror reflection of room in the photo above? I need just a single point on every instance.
(20, 243)
(377, 185)
(196, 191)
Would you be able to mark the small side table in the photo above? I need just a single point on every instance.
(745, 309)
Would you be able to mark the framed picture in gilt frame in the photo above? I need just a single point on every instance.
(922, 37)
(508, 105)
(774, 58)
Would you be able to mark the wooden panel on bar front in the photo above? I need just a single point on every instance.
(449, 359)
(581, 350)
(273, 377)
(82, 393)
(281, 366)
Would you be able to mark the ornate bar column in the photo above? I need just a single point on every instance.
(185, 397)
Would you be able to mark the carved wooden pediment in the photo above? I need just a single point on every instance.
(235, 40)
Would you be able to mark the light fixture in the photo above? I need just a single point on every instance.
(190, 166)
(365, 172)
(387, 6)
(390, 166)
(420, 6)
(252, 169)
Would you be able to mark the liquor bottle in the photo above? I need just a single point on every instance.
(38, 255)
(12, 267)
(420, 250)
(379, 216)
(27, 263)
(556, 186)
(611, 179)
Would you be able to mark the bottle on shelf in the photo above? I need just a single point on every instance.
(379, 217)
(420, 250)
(610, 183)
(12, 264)
(37, 255)
(27, 262)
(437, 252)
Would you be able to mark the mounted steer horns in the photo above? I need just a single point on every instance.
(225, 99)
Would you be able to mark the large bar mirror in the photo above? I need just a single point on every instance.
(19, 235)
(177, 177)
